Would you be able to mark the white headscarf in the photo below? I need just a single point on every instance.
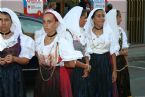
(90, 24)
(61, 27)
(15, 28)
(72, 18)
(16, 24)
(111, 19)
(67, 51)
(110, 22)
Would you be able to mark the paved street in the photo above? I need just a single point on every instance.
(137, 69)
(137, 78)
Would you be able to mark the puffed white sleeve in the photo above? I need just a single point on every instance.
(125, 43)
(88, 48)
(27, 47)
(67, 51)
(87, 54)
(114, 43)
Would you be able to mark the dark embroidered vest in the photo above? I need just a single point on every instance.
(120, 39)
(14, 50)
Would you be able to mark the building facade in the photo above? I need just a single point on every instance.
(133, 14)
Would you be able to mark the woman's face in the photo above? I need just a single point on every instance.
(119, 19)
(5, 23)
(83, 19)
(99, 18)
(49, 23)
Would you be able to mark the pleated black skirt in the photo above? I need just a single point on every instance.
(123, 79)
(79, 84)
(100, 78)
(11, 82)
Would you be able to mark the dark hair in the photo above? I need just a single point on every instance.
(83, 12)
(5, 13)
(109, 6)
(96, 12)
(118, 12)
(82, 4)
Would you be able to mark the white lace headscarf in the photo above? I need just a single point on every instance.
(72, 18)
(90, 24)
(67, 50)
(109, 26)
(61, 27)
(111, 19)
(110, 22)
(15, 27)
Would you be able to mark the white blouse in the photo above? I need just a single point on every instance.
(125, 43)
(124, 39)
(64, 49)
(103, 43)
(27, 45)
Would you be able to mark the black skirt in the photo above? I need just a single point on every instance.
(79, 84)
(57, 86)
(100, 79)
(123, 79)
(11, 82)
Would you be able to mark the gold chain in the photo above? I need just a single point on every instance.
(51, 68)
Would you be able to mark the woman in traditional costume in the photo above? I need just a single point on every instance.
(56, 56)
(16, 49)
(75, 20)
(103, 45)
